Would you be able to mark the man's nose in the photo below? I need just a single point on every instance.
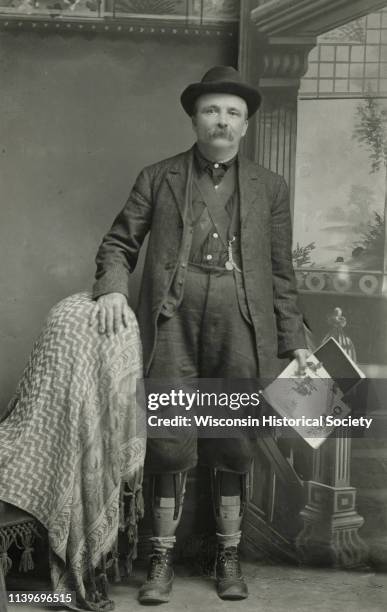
(222, 120)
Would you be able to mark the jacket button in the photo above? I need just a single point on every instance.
(183, 265)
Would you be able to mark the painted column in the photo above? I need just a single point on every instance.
(275, 65)
(273, 52)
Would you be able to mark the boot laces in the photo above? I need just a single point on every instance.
(159, 565)
(229, 560)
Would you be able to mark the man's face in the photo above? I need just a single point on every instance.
(220, 120)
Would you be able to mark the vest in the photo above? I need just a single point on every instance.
(215, 220)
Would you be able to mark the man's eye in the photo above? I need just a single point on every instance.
(210, 111)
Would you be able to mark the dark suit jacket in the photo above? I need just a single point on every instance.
(158, 203)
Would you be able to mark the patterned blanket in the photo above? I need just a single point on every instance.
(73, 445)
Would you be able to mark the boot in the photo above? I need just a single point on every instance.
(166, 513)
(229, 498)
(158, 585)
(230, 583)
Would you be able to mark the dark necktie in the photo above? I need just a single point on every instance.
(217, 172)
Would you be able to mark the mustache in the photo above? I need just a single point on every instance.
(222, 133)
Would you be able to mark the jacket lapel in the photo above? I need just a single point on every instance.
(179, 179)
(250, 186)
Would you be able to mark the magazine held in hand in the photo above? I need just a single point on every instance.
(313, 404)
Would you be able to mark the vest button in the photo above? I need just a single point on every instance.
(209, 257)
(215, 235)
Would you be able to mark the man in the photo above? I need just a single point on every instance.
(218, 300)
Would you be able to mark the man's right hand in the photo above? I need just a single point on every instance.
(111, 312)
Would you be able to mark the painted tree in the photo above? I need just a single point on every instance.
(372, 241)
(302, 255)
(371, 133)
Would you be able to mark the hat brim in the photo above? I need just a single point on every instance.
(250, 95)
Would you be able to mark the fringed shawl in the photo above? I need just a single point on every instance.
(73, 445)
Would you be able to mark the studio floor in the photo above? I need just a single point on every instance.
(272, 588)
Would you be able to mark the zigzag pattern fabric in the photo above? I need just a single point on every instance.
(73, 435)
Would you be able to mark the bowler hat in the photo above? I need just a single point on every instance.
(221, 79)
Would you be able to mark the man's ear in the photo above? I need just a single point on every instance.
(245, 127)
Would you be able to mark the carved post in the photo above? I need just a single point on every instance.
(331, 523)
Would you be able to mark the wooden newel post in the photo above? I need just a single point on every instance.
(331, 523)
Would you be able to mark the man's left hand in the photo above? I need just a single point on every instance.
(301, 355)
